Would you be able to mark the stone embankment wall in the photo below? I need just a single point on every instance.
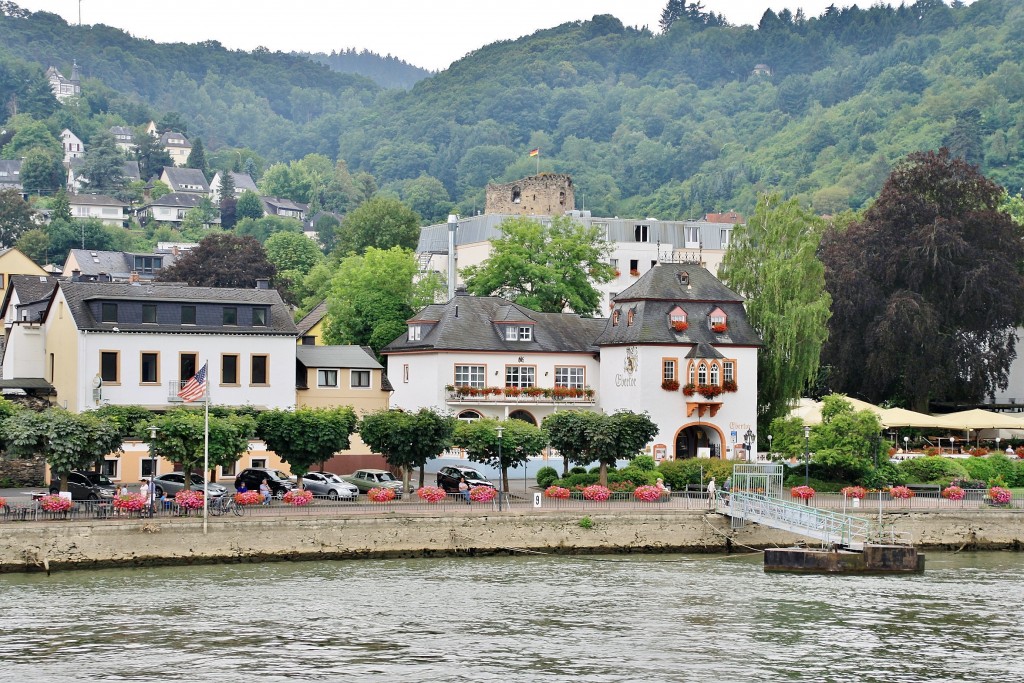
(32, 546)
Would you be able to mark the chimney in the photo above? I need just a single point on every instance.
(174, 250)
(134, 277)
(76, 275)
(453, 226)
(262, 283)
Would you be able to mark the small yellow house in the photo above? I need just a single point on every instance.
(14, 262)
(311, 327)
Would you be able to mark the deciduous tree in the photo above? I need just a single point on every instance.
(180, 437)
(306, 436)
(544, 268)
(249, 206)
(772, 261)
(519, 442)
(103, 164)
(382, 223)
(221, 260)
(15, 217)
(605, 438)
(292, 251)
(927, 289)
(407, 440)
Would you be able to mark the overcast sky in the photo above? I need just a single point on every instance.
(428, 33)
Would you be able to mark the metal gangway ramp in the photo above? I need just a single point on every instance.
(755, 495)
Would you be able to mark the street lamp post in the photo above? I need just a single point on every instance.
(906, 444)
(769, 446)
(998, 439)
(501, 469)
(153, 429)
(807, 455)
(748, 441)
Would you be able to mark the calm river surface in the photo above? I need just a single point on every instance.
(526, 618)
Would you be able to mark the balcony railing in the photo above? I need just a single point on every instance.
(513, 396)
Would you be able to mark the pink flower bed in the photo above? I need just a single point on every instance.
(953, 493)
(1000, 495)
(130, 502)
(802, 492)
(647, 494)
(55, 504)
(597, 492)
(556, 492)
(854, 492)
(381, 495)
(901, 493)
(189, 500)
(431, 494)
(482, 494)
(3, 502)
(248, 498)
(298, 497)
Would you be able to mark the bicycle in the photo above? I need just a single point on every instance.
(225, 503)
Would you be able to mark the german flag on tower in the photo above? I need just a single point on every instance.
(535, 152)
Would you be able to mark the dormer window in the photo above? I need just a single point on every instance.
(615, 318)
(684, 279)
(717, 320)
(415, 332)
(629, 318)
(677, 319)
(519, 333)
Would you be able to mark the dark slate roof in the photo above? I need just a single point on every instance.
(179, 177)
(12, 172)
(658, 291)
(310, 320)
(79, 294)
(466, 323)
(243, 182)
(122, 130)
(342, 356)
(281, 203)
(33, 295)
(117, 264)
(131, 171)
(94, 200)
(186, 200)
(704, 350)
(164, 139)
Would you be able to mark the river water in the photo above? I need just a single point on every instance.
(523, 618)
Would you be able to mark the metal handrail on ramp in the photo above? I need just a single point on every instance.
(831, 528)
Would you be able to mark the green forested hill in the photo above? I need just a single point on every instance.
(387, 72)
(670, 125)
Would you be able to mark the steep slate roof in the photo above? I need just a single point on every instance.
(166, 138)
(243, 182)
(181, 200)
(271, 204)
(79, 294)
(342, 356)
(179, 177)
(466, 323)
(310, 320)
(658, 291)
(10, 173)
(33, 294)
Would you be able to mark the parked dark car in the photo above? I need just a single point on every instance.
(448, 478)
(90, 486)
(280, 483)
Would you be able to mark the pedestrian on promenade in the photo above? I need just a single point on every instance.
(662, 489)
(711, 492)
(144, 489)
(464, 489)
(242, 488)
(726, 487)
(265, 492)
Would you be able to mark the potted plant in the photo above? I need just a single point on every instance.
(55, 503)
(431, 494)
(804, 493)
(634, 272)
(381, 495)
(556, 492)
(952, 492)
(596, 492)
(588, 392)
(189, 500)
(131, 502)
(449, 387)
(680, 325)
(298, 497)
(718, 328)
(730, 386)
(999, 495)
(463, 390)
(647, 493)
(854, 492)
(248, 498)
(670, 385)
(690, 389)
(513, 391)
(901, 493)
(482, 494)
(709, 391)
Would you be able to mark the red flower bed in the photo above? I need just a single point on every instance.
(431, 494)
(597, 492)
(647, 493)
(130, 502)
(556, 492)
(298, 497)
(381, 495)
(249, 498)
(482, 494)
(802, 492)
(55, 503)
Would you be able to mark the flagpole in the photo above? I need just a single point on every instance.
(206, 456)
(538, 161)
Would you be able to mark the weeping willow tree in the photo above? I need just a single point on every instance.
(772, 262)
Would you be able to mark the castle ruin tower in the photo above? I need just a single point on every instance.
(545, 194)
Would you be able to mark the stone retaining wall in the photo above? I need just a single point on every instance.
(32, 546)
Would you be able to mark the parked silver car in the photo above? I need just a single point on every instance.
(172, 482)
(330, 486)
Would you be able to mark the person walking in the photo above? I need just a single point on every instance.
(266, 492)
(711, 492)
(726, 487)
(464, 489)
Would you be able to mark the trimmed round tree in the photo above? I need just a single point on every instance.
(407, 440)
(306, 436)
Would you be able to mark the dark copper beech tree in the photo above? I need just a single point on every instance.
(927, 289)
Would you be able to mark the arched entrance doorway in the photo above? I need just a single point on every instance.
(695, 436)
(522, 415)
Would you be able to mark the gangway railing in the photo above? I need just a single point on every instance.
(829, 527)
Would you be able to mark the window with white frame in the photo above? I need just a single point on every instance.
(726, 235)
(519, 333)
(569, 377)
(702, 374)
(692, 235)
(415, 332)
(714, 374)
(641, 233)
(668, 369)
(470, 376)
(693, 374)
(521, 376)
(361, 379)
(728, 371)
(326, 378)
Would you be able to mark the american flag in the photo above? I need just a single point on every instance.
(195, 387)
